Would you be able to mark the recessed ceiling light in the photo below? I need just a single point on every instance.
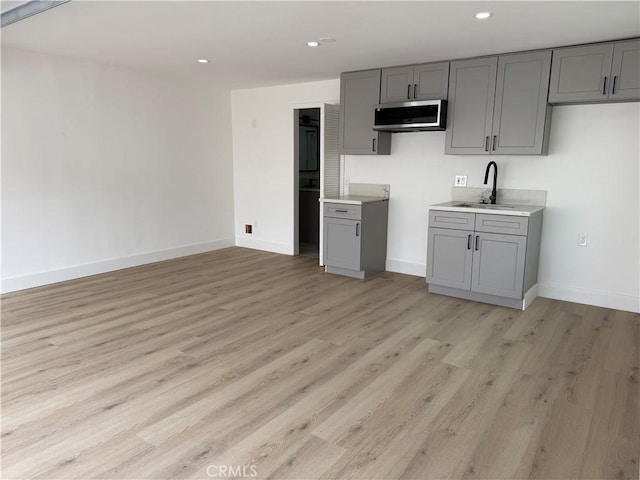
(483, 15)
(312, 44)
(203, 60)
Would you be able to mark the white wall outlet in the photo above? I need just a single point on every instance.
(461, 181)
(583, 239)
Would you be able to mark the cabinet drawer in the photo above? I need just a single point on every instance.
(341, 210)
(454, 220)
(511, 225)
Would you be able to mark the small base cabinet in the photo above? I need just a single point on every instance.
(355, 238)
(484, 257)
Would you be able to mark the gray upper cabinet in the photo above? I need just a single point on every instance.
(596, 73)
(579, 73)
(472, 86)
(521, 115)
(625, 71)
(397, 84)
(498, 105)
(359, 93)
(429, 81)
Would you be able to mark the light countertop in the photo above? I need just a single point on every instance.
(501, 209)
(354, 199)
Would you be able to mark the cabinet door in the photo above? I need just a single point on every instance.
(342, 243)
(359, 93)
(581, 74)
(431, 81)
(625, 72)
(449, 258)
(498, 264)
(397, 85)
(520, 112)
(470, 111)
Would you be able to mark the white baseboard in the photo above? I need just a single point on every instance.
(617, 301)
(77, 271)
(256, 244)
(397, 266)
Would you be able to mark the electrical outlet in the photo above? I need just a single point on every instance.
(461, 181)
(248, 229)
(583, 239)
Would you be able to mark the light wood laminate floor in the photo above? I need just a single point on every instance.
(195, 367)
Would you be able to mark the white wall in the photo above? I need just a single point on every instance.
(104, 168)
(591, 175)
(592, 178)
(263, 170)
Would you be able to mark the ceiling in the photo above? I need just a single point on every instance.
(263, 43)
(8, 5)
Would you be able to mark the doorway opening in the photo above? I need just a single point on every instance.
(309, 173)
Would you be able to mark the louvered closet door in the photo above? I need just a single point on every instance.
(329, 160)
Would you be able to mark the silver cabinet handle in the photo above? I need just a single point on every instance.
(373, 146)
(477, 242)
(469, 242)
(604, 86)
(409, 92)
(342, 211)
(613, 87)
(486, 144)
(415, 90)
(357, 229)
(495, 139)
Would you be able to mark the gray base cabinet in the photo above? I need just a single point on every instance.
(343, 243)
(498, 265)
(484, 257)
(596, 73)
(355, 238)
(359, 93)
(449, 258)
(498, 105)
(429, 81)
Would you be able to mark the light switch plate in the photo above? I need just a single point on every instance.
(461, 181)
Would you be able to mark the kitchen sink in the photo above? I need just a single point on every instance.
(485, 205)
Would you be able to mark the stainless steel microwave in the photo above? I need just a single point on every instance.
(425, 115)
